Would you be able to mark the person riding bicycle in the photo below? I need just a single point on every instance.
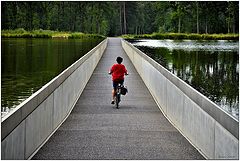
(117, 70)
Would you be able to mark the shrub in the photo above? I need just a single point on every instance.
(21, 33)
(181, 36)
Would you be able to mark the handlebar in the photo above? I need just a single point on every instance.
(111, 73)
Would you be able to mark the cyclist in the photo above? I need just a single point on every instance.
(117, 70)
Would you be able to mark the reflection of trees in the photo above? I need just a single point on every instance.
(230, 86)
(30, 64)
(161, 55)
(212, 73)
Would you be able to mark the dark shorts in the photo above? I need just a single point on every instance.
(115, 83)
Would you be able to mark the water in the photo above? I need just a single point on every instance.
(211, 67)
(28, 64)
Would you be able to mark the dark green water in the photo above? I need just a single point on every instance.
(211, 67)
(28, 64)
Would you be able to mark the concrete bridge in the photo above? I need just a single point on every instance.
(160, 118)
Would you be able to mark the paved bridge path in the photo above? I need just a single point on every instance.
(95, 129)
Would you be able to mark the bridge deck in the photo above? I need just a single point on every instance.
(97, 130)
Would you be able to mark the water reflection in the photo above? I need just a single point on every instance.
(28, 64)
(189, 45)
(211, 67)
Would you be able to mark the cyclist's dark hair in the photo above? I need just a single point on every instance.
(119, 60)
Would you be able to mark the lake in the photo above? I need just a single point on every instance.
(28, 64)
(211, 67)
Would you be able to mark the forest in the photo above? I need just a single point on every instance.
(114, 18)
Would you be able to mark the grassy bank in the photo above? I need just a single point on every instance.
(181, 36)
(21, 33)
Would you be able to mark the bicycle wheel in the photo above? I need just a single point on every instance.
(117, 97)
(116, 101)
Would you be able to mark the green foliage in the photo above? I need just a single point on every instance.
(79, 35)
(21, 33)
(128, 36)
(181, 36)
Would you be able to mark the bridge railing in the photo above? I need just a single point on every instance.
(208, 128)
(29, 125)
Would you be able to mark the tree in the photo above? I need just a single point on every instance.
(231, 12)
(125, 17)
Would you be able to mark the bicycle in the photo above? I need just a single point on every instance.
(119, 90)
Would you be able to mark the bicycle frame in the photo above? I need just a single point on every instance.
(118, 95)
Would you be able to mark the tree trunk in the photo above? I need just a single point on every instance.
(98, 25)
(229, 21)
(74, 21)
(179, 24)
(80, 10)
(124, 17)
(120, 13)
(91, 20)
(206, 27)
(29, 15)
(233, 25)
(14, 22)
(58, 15)
(98, 17)
(197, 19)
(70, 22)
(62, 19)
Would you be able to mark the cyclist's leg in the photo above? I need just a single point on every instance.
(114, 91)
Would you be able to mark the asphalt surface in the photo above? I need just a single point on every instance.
(96, 130)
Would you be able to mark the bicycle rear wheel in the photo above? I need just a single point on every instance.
(117, 99)
(118, 95)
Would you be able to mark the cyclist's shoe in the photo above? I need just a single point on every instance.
(112, 102)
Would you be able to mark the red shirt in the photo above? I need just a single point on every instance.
(118, 71)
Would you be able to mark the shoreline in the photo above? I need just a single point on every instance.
(184, 36)
(21, 33)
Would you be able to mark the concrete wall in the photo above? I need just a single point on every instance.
(26, 129)
(211, 130)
